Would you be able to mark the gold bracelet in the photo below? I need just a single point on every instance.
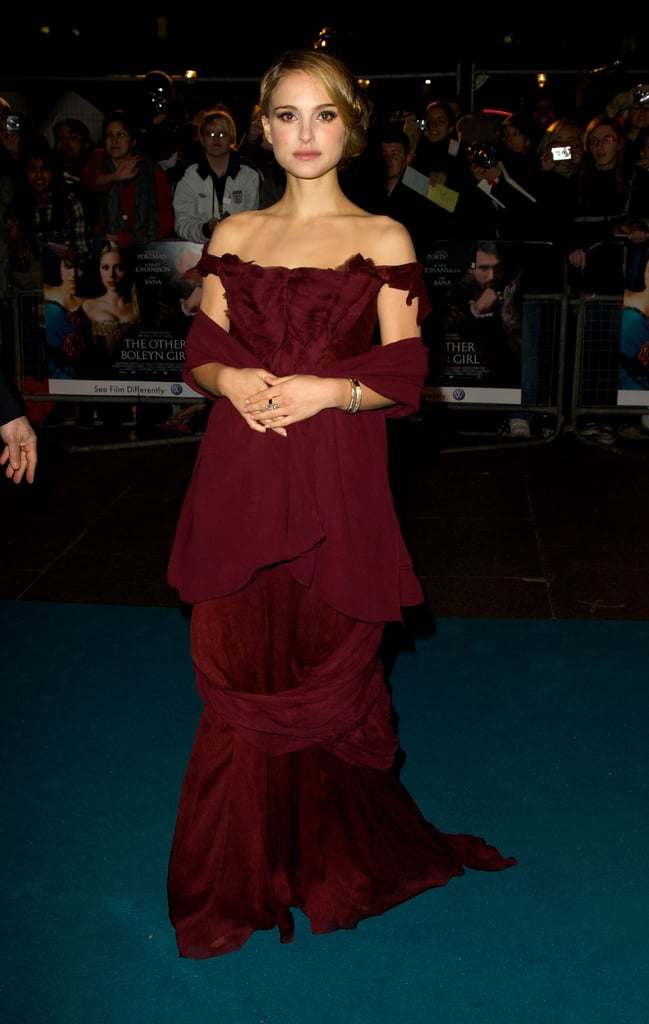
(355, 397)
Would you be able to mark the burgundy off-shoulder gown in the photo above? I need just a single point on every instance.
(290, 552)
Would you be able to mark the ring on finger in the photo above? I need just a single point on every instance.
(271, 404)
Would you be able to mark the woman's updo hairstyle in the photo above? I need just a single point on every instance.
(339, 83)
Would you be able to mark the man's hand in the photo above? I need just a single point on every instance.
(20, 453)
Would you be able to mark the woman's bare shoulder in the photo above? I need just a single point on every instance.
(233, 232)
(386, 241)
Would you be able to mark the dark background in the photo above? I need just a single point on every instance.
(112, 39)
(488, 56)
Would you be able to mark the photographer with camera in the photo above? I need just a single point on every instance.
(631, 109)
(6, 198)
(436, 146)
(636, 120)
(15, 131)
(165, 132)
(492, 204)
(9, 135)
(560, 155)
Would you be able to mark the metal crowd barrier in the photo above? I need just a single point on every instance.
(596, 393)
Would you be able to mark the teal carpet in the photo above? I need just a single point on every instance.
(531, 733)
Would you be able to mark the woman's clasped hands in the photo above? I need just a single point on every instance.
(282, 401)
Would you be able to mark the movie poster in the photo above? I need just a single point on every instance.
(475, 333)
(116, 327)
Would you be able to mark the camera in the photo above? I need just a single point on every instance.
(484, 154)
(13, 122)
(159, 101)
(641, 96)
(561, 152)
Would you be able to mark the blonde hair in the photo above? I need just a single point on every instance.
(339, 83)
(563, 124)
(218, 114)
(127, 288)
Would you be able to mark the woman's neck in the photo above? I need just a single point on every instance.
(306, 199)
(111, 300)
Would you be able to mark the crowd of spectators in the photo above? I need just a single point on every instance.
(566, 174)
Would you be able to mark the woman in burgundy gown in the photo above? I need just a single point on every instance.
(289, 550)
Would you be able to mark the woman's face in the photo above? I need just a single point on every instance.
(111, 270)
(604, 145)
(216, 137)
(437, 125)
(39, 176)
(515, 140)
(68, 273)
(304, 126)
(117, 140)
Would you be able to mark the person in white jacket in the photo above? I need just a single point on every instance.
(221, 183)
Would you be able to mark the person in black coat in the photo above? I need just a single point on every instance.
(492, 203)
(425, 220)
